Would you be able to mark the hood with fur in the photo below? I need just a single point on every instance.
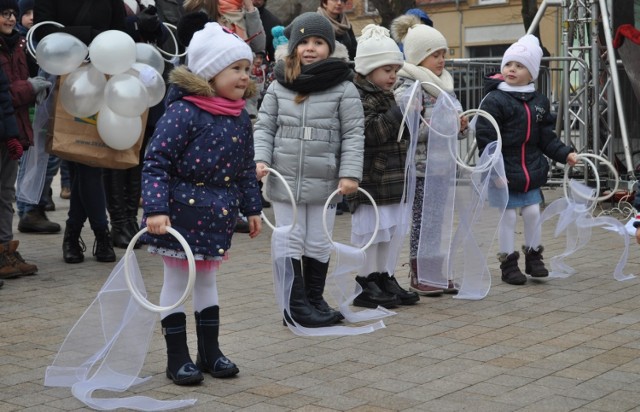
(186, 83)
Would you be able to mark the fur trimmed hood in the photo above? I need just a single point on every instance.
(192, 84)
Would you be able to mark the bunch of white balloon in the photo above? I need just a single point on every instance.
(121, 81)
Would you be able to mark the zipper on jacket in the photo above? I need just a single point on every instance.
(524, 151)
(306, 135)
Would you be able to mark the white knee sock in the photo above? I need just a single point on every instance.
(205, 290)
(174, 284)
(507, 232)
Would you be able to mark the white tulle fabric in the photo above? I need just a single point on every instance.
(34, 161)
(481, 200)
(575, 218)
(439, 194)
(106, 348)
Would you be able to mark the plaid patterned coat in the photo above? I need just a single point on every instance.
(384, 156)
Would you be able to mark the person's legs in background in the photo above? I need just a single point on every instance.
(33, 218)
(65, 180)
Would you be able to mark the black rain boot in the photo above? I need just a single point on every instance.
(210, 358)
(533, 264)
(389, 284)
(102, 246)
(72, 245)
(315, 277)
(511, 273)
(180, 368)
(115, 185)
(302, 311)
(372, 296)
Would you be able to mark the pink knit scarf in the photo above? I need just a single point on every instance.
(217, 105)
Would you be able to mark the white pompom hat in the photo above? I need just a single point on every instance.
(376, 49)
(525, 51)
(213, 49)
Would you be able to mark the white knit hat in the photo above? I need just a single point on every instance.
(422, 41)
(525, 51)
(214, 48)
(376, 49)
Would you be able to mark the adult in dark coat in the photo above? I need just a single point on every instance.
(334, 11)
(269, 21)
(85, 20)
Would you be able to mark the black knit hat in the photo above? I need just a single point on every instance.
(9, 4)
(25, 6)
(310, 24)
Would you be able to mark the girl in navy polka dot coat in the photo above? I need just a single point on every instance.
(198, 173)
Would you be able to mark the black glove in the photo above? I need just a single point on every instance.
(148, 20)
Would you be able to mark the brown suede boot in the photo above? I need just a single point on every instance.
(26, 269)
(7, 269)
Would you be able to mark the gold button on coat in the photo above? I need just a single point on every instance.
(191, 201)
(221, 251)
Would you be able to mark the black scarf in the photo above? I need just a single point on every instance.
(316, 76)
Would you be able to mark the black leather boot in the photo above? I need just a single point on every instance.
(102, 247)
(372, 296)
(511, 273)
(315, 277)
(36, 221)
(533, 264)
(115, 185)
(302, 311)
(210, 358)
(389, 283)
(72, 245)
(180, 368)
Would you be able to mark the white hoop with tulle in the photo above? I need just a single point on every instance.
(293, 201)
(375, 209)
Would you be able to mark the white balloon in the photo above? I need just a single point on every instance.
(152, 80)
(60, 53)
(112, 52)
(148, 54)
(126, 95)
(118, 132)
(82, 92)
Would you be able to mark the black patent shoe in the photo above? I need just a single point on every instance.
(220, 368)
(188, 374)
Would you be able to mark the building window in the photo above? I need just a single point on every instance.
(486, 2)
(369, 8)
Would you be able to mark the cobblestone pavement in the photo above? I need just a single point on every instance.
(555, 345)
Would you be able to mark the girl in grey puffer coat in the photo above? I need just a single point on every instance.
(310, 129)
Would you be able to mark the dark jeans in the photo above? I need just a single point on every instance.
(87, 197)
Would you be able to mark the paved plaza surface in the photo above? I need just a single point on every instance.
(555, 345)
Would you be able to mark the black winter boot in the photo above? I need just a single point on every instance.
(210, 358)
(315, 277)
(180, 368)
(102, 246)
(72, 245)
(533, 264)
(389, 284)
(372, 296)
(511, 273)
(302, 311)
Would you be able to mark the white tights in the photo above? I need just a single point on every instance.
(376, 259)
(176, 276)
(532, 230)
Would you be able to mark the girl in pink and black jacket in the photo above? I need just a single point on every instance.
(527, 130)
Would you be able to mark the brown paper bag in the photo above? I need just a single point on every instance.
(76, 139)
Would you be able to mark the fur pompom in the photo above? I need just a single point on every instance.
(400, 26)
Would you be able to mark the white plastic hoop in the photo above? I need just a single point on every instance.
(585, 157)
(29, 37)
(293, 201)
(175, 44)
(486, 115)
(375, 208)
(414, 88)
(136, 293)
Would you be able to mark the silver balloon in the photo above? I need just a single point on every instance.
(126, 95)
(152, 80)
(82, 91)
(118, 132)
(148, 54)
(60, 53)
(112, 52)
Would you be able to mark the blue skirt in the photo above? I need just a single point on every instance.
(522, 199)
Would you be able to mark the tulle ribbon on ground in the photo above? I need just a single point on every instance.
(576, 219)
(481, 199)
(107, 347)
(34, 161)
